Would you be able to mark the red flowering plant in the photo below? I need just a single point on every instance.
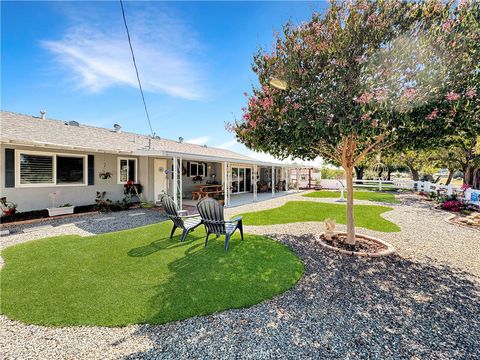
(452, 205)
(365, 76)
(132, 190)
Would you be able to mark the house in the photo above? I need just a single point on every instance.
(40, 156)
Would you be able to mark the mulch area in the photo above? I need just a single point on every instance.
(362, 245)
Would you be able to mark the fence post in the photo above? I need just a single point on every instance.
(449, 189)
(380, 185)
(426, 186)
(468, 194)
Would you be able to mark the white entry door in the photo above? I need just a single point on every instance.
(159, 177)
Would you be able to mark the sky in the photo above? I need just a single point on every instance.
(73, 60)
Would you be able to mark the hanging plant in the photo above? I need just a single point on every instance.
(104, 175)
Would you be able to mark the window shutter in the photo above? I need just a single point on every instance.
(188, 168)
(91, 170)
(9, 168)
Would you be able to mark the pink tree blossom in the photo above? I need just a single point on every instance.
(453, 96)
(471, 93)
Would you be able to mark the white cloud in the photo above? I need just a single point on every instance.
(228, 144)
(97, 53)
(201, 140)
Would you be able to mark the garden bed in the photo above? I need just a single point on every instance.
(30, 217)
(365, 245)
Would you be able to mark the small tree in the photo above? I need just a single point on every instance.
(360, 78)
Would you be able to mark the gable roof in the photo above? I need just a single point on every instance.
(31, 130)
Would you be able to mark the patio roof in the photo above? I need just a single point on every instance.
(20, 129)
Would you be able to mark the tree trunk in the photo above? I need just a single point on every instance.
(467, 175)
(450, 176)
(359, 171)
(350, 217)
(415, 174)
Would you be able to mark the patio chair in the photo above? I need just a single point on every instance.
(187, 223)
(212, 217)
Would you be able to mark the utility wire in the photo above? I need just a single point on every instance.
(136, 69)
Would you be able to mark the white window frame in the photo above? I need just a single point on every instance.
(119, 159)
(198, 164)
(54, 155)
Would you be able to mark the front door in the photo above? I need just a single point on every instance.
(159, 177)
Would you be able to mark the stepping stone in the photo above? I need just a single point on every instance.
(137, 214)
(4, 232)
(105, 218)
(37, 228)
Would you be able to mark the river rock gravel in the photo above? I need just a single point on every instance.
(423, 303)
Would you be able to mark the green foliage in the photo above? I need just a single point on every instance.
(375, 72)
(367, 216)
(140, 276)
(358, 195)
(329, 173)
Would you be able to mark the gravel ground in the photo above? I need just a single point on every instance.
(420, 304)
(84, 225)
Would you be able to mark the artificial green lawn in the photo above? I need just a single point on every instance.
(140, 276)
(366, 216)
(358, 195)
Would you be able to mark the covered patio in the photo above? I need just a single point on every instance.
(245, 198)
(233, 181)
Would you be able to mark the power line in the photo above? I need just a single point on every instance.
(136, 69)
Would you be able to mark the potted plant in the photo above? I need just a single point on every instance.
(61, 210)
(132, 191)
(104, 175)
(8, 207)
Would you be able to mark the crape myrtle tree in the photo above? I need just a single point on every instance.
(364, 76)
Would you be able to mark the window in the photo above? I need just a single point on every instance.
(197, 169)
(70, 170)
(36, 169)
(127, 170)
(47, 169)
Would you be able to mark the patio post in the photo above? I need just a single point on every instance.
(175, 181)
(273, 181)
(225, 182)
(286, 178)
(298, 179)
(255, 172)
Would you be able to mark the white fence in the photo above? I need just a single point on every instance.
(471, 195)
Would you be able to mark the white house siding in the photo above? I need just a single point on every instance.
(34, 198)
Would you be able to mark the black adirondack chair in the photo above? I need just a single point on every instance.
(186, 223)
(212, 217)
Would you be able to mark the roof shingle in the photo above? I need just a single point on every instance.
(26, 128)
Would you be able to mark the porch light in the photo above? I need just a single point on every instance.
(278, 84)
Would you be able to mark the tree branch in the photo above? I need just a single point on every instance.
(364, 153)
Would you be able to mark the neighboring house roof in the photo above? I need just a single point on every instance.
(31, 130)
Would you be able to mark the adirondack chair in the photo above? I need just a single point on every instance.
(212, 217)
(186, 223)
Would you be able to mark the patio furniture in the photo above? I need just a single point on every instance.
(213, 219)
(196, 195)
(280, 185)
(262, 186)
(185, 222)
(210, 191)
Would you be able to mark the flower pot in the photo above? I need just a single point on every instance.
(7, 212)
(60, 210)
